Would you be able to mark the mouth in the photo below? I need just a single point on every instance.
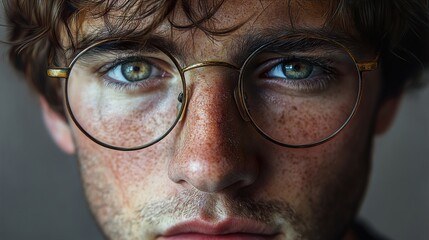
(237, 229)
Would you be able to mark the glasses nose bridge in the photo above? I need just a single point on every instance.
(210, 64)
(237, 96)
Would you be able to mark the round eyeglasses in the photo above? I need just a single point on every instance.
(297, 91)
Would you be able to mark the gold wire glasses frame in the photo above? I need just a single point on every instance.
(239, 92)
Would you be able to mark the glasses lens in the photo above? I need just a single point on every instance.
(300, 91)
(125, 94)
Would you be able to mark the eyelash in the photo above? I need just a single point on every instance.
(305, 85)
(122, 86)
(319, 84)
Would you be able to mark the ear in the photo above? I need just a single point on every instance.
(386, 114)
(58, 127)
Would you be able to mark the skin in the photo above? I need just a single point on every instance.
(214, 166)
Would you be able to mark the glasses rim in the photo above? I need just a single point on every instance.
(110, 146)
(64, 73)
(359, 68)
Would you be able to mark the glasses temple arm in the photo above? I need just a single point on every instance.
(58, 72)
(368, 66)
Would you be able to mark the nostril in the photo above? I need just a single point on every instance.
(212, 176)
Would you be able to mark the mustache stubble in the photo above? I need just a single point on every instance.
(191, 204)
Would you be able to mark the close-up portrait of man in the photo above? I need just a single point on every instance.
(220, 119)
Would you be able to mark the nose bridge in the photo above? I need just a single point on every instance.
(209, 154)
(237, 94)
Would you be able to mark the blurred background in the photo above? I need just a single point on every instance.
(41, 196)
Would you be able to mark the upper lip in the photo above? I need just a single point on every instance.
(227, 226)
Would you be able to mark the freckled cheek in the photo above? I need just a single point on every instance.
(302, 122)
(124, 118)
(130, 175)
(291, 173)
(298, 117)
(311, 178)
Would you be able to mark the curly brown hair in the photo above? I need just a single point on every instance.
(398, 28)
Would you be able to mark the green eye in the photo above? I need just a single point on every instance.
(136, 71)
(297, 70)
(132, 70)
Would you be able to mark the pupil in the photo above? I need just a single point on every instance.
(297, 67)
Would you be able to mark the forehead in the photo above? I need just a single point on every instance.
(243, 16)
(258, 14)
(191, 27)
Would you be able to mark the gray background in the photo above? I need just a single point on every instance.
(41, 196)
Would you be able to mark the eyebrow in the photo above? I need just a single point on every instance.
(250, 42)
(103, 34)
(243, 46)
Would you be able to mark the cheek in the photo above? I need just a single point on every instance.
(302, 171)
(325, 183)
(122, 118)
(346, 156)
(118, 183)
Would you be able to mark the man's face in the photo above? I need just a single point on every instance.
(214, 176)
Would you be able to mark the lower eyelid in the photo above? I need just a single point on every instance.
(303, 86)
(131, 86)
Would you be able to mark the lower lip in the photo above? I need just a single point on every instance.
(236, 236)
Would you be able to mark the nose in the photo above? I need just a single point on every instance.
(211, 153)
